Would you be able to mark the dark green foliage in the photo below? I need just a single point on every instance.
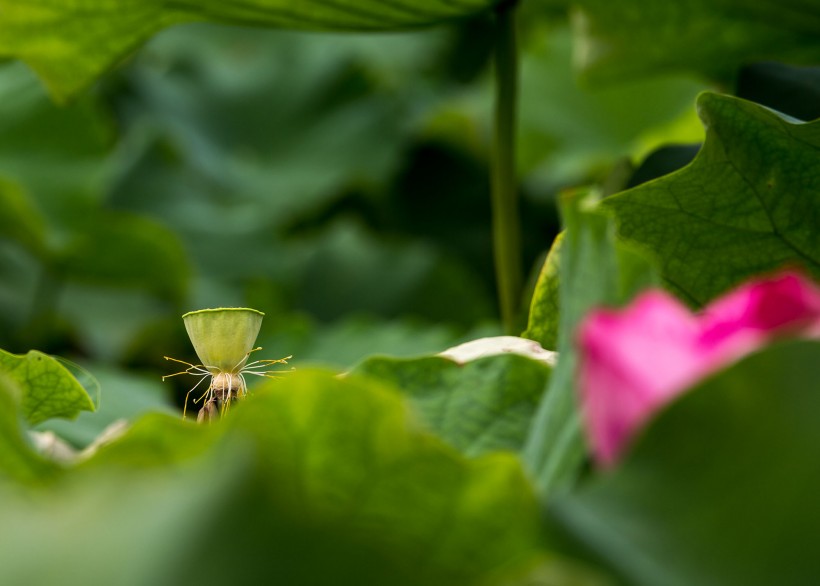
(339, 183)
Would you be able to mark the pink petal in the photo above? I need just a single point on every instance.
(634, 361)
(758, 311)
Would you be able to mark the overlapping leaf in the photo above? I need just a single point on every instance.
(347, 454)
(722, 487)
(70, 43)
(315, 480)
(595, 269)
(478, 407)
(749, 202)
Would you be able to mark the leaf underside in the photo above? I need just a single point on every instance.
(70, 44)
(749, 203)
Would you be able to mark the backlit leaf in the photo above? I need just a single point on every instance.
(47, 388)
(748, 203)
(71, 43)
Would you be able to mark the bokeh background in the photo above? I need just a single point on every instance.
(339, 183)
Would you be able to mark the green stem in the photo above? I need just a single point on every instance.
(506, 223)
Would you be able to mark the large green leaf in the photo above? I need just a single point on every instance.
(749, 202)
(70, 44)
(138, 252)
(311, 480)
(478, 407)
(348, 455)
(642, 37)
(47, 387)
(125, 528)
(595, 269)
(722, 487)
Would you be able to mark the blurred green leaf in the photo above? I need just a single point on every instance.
(233, 132)
(152, 441)
(19, 461)
(543, 323)
(341, 485)
(595, 269)
(343, 343)
(722, 486)
(19, 274)
(256, 147)
(58, 155)
(351, 270)
(748, 203)
(60, 231)
(125, 396)
(71, 45)
(21, 222)
(347, 454)
(640, 37)
(555, 571)
(111, 323)
(570, 130)
(48, 389)
(125, 250)
(127, 529)
(478, 407)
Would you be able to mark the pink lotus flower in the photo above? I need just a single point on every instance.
(636, 360)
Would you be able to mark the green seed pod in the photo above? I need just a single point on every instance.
(223, 337)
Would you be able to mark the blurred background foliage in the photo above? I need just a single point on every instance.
(340, 184)
(337, 182)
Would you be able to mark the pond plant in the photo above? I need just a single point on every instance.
(224, 339)
(650, 415)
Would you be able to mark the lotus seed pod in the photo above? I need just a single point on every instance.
(223, 337)
(226, 382)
